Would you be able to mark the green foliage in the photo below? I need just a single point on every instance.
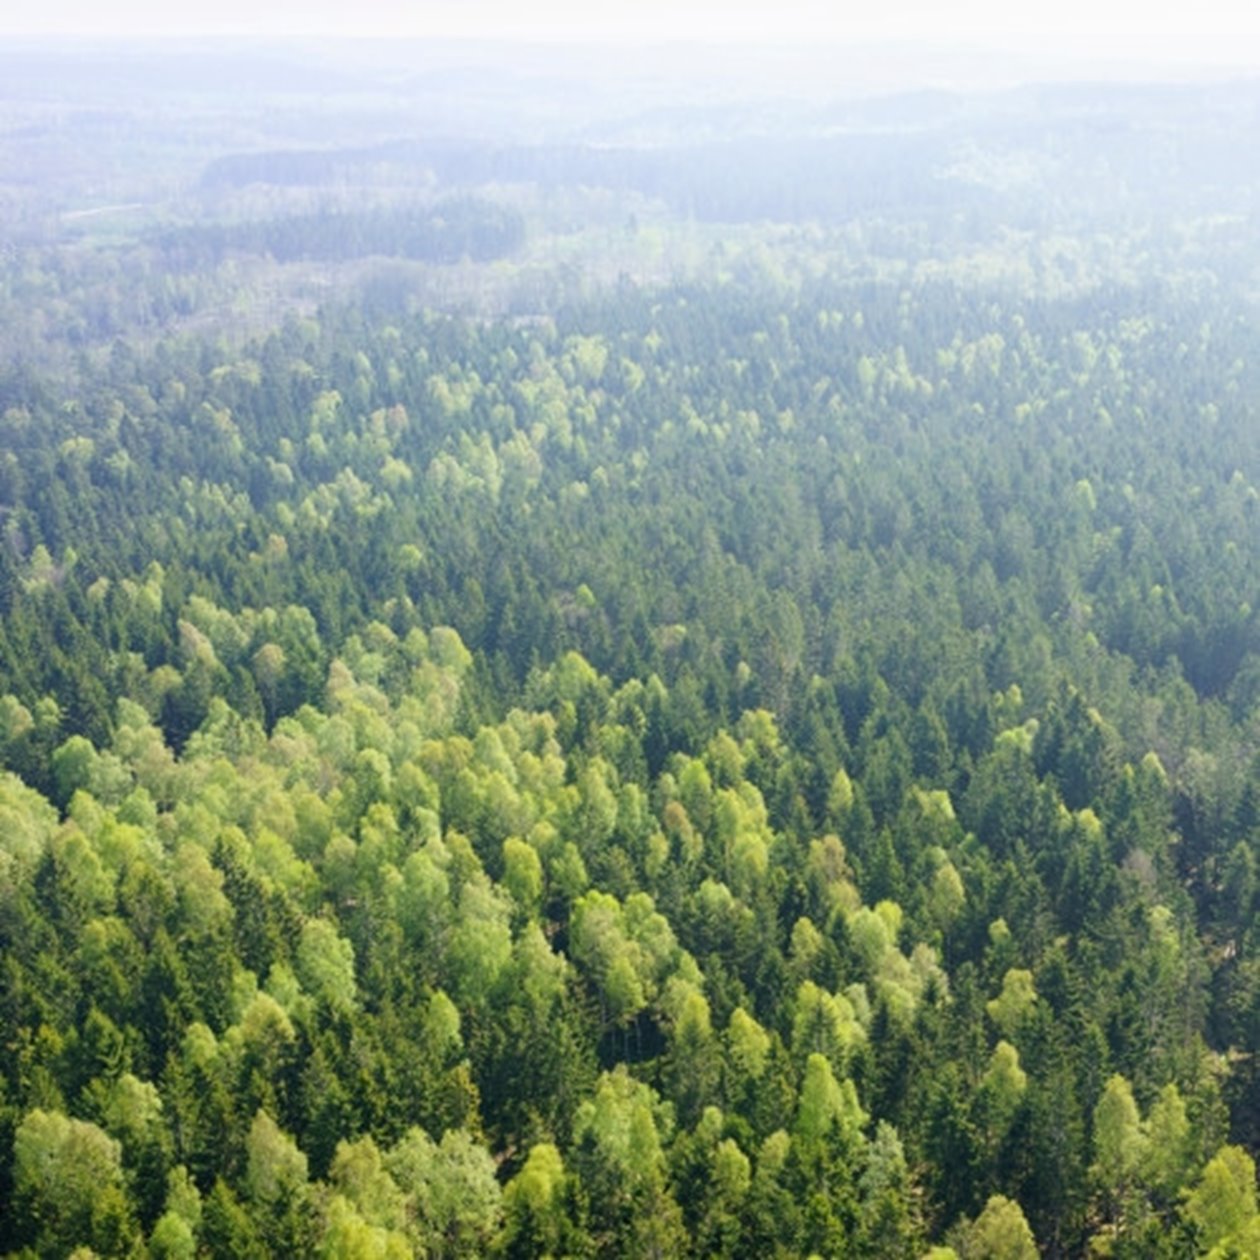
(745, 769)
(68, 1185)
(1222, 1204)
(1000, 1232)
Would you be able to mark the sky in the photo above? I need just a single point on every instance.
(1207, 29)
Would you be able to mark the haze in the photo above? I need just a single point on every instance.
(1217, 32)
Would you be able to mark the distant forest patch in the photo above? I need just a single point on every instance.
(459, 228)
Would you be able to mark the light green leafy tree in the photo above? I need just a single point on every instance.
(1000, 1232)
(324, 963)
(1222, 1205)
(1009, 1009)
(618, 1138)
(358, 1172)
(1169, 1151)
(450, 1190)
(825, 1023)
(68, 1185)
(1119, 1143)
(533, 1205)
(829, 1109)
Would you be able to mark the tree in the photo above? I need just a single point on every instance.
(619, 1156)
(1009, 1009)
(358, 1172)
(347, 1236)
(325, 965)
(888, 1218)
(1222, 1205)
(1001, 1093)
(228, 1229)
(534, 1202)
(1000, 1232)
(692, 1065)
(68, 1185)
(450, 1189)
(1119, 1143)
(522, 875)
(276, 1183)
(1168, 1151)
(174, 1236)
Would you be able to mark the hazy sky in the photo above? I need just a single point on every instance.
(1181, 28)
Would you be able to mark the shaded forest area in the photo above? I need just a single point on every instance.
(476, 231)
(763, 761)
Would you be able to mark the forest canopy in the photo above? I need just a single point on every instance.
(756, 762)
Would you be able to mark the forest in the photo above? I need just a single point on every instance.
(756, 753)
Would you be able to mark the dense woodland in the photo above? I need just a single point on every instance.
(766, 764)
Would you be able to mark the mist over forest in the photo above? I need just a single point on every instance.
(627, 651)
